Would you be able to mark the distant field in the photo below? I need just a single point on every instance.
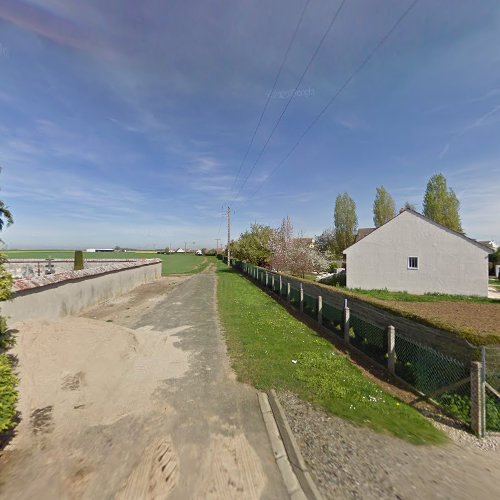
(172, 264)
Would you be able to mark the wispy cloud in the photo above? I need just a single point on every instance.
(476, 123)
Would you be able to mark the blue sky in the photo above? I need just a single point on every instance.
(125, 123)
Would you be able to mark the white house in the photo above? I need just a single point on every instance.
(415, 254)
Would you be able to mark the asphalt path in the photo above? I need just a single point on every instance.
(136, 399)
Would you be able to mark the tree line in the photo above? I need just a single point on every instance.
(283, 250)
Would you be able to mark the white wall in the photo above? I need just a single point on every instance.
(447, 262)
(73, 296)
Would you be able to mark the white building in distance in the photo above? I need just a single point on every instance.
(414, 254)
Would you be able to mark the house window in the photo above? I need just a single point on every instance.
(412, 262)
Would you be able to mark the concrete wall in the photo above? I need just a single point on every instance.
(448, 263)
(60, 295)
(29, 268)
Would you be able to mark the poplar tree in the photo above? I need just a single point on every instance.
(346, 222)
(384, 208)
(441, 204)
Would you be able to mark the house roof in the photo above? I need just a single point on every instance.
(430, 221)
(364, 231)
(490, 244)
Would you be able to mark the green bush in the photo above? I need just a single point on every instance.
(492, 413)
(8, 381)
(8, 394)
(6, 339)
(335, 280)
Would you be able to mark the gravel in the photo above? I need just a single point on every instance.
(357, 463)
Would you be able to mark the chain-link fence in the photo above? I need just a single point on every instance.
(446, 379)
(369, 339)
(295, 297)
(333, 319)
(491, 367)
(311, 306)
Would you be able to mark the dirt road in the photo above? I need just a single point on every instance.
(136, 400)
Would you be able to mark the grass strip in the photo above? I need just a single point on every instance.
(427, 297)
(269, 348)
(472, 335)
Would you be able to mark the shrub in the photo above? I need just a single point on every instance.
(8, 394)
(338, 279)
(78, 266)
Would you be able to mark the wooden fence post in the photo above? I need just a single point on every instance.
(347, 321)
(320, 309)
(478, 399)
(391, 349)
(301, 299)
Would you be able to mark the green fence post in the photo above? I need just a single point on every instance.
(301, 299)
(281, 286)
(272, 282)
(288, 292)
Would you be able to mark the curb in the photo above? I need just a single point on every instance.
(296, 475)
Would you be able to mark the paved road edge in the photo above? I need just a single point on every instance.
(296, 476)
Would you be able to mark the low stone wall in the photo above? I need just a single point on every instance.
(31, 268)
(57, 295)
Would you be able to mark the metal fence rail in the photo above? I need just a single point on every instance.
(466, 389)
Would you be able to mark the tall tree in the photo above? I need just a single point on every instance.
(441, 204)
(346, 222)
(384, 208)
(325, 242)
(253, 245)
(5, 216)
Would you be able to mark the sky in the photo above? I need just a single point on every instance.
(126, 123)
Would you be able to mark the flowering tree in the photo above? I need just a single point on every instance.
(294, 255)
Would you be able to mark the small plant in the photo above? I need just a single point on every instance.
(78, 266)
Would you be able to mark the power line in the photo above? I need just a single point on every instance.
(311, 60)
(299, 22)
(365, 61)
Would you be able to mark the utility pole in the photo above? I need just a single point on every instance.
(185, 248)
(228, 236)
(217, 240)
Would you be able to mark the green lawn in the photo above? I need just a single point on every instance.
(172, 264)
(494, 282)
(427, 297)
(269, 348)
